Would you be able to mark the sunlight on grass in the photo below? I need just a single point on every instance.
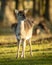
(42, 55)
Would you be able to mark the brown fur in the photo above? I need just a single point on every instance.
(28, 24)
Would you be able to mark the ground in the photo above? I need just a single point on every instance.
(42, 55)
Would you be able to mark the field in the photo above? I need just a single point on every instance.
(42, 55)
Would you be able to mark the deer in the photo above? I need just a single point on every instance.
(23, 30)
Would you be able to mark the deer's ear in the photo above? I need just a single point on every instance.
(25, 11)
(16, 11)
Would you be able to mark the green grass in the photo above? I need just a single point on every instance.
(42, 55)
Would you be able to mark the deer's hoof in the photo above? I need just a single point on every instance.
(22, 56)
(17, 57)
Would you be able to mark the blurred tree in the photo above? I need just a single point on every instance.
(3, 5)
(9, 12)
(0, 4)
(50, 10)
(36, 7)
(46, 15)
(40, 7)
(17, 3)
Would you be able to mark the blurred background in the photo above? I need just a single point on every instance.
(41, 43)
(7, 16)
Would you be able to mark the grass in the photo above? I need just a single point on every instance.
(42, 55)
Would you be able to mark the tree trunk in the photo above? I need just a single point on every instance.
(17, 1)
(46, 15)
(36, 7)
(2, 11)
(50, 10)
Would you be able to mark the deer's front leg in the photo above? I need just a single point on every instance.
(30, 47)
(23, 48)
(19, 42)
